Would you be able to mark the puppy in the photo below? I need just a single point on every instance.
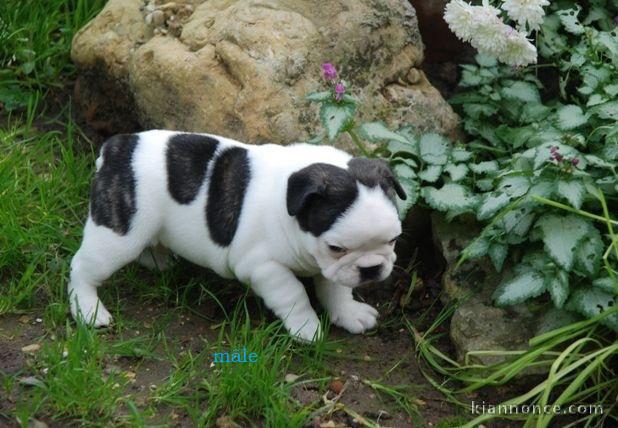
(261, 214)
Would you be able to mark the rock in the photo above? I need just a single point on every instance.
(476, 276)
(242, 69)
(476, 324)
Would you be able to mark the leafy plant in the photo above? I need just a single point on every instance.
(532, 150)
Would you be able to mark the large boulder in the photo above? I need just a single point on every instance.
(242, 68)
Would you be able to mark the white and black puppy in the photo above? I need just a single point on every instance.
(261, 214)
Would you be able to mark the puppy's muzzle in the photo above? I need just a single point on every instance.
(369, 273)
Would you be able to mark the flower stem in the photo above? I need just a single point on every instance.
(358, 143)
(574, 210)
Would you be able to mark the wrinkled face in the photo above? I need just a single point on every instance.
(360, 246)
(349, 217)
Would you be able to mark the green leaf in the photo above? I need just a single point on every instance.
(491, 204)
(591, 301)
(531, 113)
(411, 187)
(378, 131)
(520, 288)
(460, 155)
(610, 43)
(403, 170)
(514, 186)
(515, 137)
(477, 248)
(561, 235)
(431, 173)
(590, 252)
(606, 284)
(497, 254)
(568, 17)
(516, 223)
(477, 111)
(608, 110)
(336, 117)
(573, 191)
(450, 197)
(410, 147)
(522, 91)
(557, 284)
(571, 117)
(484, 184)
(320, 96)
(484, 167)
(595, 100)
(543, 188)
(457, 172)
(408, 161)
(434, 149)
(485, 60)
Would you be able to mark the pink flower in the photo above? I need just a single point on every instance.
(575, 161)
(329, 71)
(554, 149)
(339, 91)
(558, 157)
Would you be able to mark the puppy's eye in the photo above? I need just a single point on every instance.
(336, 249)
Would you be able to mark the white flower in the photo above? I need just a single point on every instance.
(459, 16)
(483, 28)
(518, 51)
(489, 32)
(526, 12)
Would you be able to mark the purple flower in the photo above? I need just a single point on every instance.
(339, 91)
(329, 71)
(558, 157)
(554, 149)
(616, 19)
(574, 161)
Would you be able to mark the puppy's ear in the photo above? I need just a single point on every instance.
(303, 185)
(372, 172)
(398, 189)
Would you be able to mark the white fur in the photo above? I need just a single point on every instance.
(268, 250)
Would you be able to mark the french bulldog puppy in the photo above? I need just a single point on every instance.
(262, 214)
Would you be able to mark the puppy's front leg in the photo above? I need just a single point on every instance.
(285, 295)
(344, 311)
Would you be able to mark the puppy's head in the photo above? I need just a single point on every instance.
(350, 217)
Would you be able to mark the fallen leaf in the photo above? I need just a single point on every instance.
(31, 381)
(336, 386)
(291, 377)
(31, 349)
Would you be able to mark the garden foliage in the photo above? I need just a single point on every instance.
(538, 169)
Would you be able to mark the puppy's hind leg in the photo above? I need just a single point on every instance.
(102, 253)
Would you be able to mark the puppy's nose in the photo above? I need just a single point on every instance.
(370, 272)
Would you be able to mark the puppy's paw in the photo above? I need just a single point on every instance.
(355, 317)
(90, 312)
(307, 330)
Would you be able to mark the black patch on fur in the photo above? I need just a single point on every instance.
(228, 185)
(319, 194)
(376, 172)
(187, 161)
(112, 195)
